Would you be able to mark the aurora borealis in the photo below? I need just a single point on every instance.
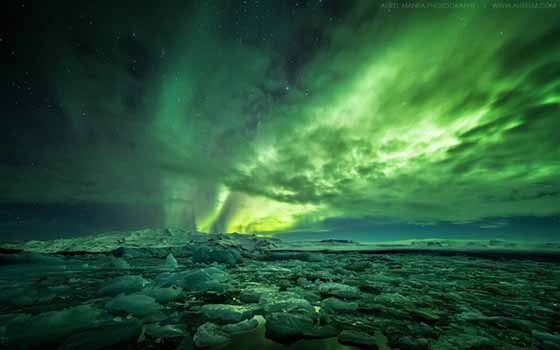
(280, 116)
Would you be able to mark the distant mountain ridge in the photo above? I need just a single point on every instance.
(161, 238)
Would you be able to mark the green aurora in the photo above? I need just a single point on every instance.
(260, 119)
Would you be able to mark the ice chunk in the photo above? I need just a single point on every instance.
(207, 255)
(337, 305)
(202, 280)
(123, 284)
(286, 327)
(414, 343)
(171, 262)
(134, 304)
(210, 335)
(50, 326)
(168, 331)
(118, 263)
(286, 302)
(223, 313)
(241, 327)
(164, 295)
(356, 338)
(339, 290)
(252, 294)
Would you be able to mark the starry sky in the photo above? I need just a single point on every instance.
(369, 120)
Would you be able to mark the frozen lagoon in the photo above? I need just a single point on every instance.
(123, 290)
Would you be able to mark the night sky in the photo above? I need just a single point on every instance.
(361, 119)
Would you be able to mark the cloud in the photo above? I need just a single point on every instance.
(263, 119)
(431, 126)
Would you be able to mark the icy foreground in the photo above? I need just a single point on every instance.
(171, 289)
